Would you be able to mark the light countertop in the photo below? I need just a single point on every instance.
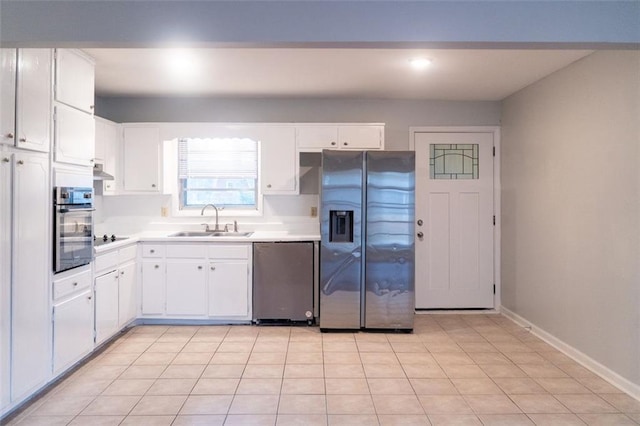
(257, 236)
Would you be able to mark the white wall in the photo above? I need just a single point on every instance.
(571, 207)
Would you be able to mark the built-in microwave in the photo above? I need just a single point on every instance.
(73, 227)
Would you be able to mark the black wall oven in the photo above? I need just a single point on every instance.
(73, 227)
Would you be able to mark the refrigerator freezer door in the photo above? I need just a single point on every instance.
(389, 239)
(341, 259)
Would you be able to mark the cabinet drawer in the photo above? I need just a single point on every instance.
(152, 250)
(187, 250)
(127, 253)
(105, 262)
(228, 251)
(71, 284)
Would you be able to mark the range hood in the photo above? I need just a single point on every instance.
(99, 174)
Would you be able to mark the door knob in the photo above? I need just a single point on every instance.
(5, 160)
(420, 235)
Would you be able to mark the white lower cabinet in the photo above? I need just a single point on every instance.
(115, 291)
(197, 281)
(126, 293)
(186, 287)
(226, 297)
(72, 330)
(153, 287)
(106, 312)
(72, 317)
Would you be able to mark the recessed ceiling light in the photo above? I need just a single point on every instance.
(420, 63)
(180, 61)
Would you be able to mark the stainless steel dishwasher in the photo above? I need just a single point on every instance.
(283, 282)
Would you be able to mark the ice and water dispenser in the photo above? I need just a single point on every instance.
(341, 226)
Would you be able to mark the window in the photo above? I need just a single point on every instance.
(220, 171)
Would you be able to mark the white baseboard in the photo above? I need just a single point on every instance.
(606, 373)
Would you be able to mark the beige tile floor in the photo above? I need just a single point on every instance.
(453, 370)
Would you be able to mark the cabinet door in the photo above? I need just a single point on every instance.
(106, 306)
(186, 288)
(72, 331)
(8, 60)
(360, 137)
(141, 150)
(279, 161)
(33, 99)
(153, 287)
(31, 311)
(229, 288)
(110, 133)
(6, 161)
(127, 294)
(75, 77)
(317, 138)
(74, 136)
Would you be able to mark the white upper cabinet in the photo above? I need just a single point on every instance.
(8, 68)
(354, 136)
(141, 159)
(107, 151)
(74, 136)
(75, 79)
(360, 137)
(33, 100)
(279, 161)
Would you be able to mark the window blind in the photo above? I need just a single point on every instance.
(218, 158)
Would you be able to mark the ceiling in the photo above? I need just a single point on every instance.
(460, 74)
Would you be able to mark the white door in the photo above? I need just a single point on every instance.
(72, 331)
(228, 288)
(75, 80)
(106, 306)
(8, 60)
(186, 288)
(33, 99)
(30, 309)
(141, 159)
(454, 203)
(127, 293)
(74, 136)
(153, 287)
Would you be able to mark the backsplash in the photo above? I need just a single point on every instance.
(130, 214)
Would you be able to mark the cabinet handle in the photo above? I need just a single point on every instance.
(20, 162)
(88, 297)
(420, 235)
(91, 106)
(153, 185)
(213, 268)
(22, 139)
(199, 267)
(121, 272)
(75, 284)
(152, 251)
(344, 143)
(156, 266)
(268, 185)
(9, 135)
(333, 143)
(420, 222)
(5, 160)
(115, 277)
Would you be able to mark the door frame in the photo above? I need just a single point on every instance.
(495, 131)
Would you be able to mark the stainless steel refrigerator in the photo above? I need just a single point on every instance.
(367, 240)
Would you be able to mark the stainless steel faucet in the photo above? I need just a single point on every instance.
(217, 228)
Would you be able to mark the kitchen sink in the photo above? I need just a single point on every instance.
(211, 234)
